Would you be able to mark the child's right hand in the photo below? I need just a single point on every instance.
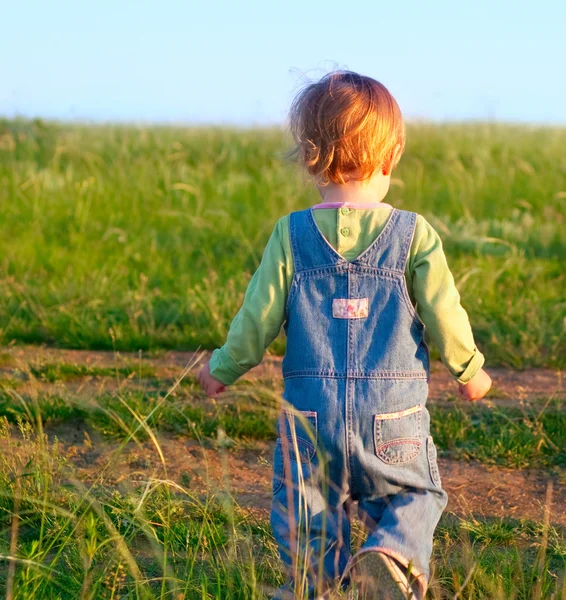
(209, 384)
(477, 387)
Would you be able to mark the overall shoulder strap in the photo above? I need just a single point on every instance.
(309, 247)
(390, 249)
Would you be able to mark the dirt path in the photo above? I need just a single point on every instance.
(509, 386)
(475, 490)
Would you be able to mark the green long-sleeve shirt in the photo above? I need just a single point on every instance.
(350, 231)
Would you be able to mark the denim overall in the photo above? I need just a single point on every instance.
(354, 425)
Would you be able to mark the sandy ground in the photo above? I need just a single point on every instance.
(475, 490)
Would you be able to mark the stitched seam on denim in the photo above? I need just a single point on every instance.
(427, 357)
(292, 292)
(353, 291)
(380, 444)
(300, 262)
(380, 271)
(378, 427)
(375, 249)
(403, 283)
(432, 462)
(407, 248)
(405, 440)
(307, 414)
(401, 460)
(393, 246)
(400, 414)
(331, 253)
(324, 270)
(406, 300)
(408, 375)
(344, 376)
(348, 403)
(301, 441)
(336, 260)
(281, 475)
(391, 274)
(408, 230)
(297, 259)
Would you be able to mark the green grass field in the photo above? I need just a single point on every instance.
(162, 537)
(146, 238)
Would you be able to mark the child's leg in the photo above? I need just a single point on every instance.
(313, 547)
(311, 527)
(402, 527)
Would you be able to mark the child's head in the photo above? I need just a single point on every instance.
(347, 126)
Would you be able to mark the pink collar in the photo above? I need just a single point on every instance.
(351, 205)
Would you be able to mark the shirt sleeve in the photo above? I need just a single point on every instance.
(261, 315)
(438, 304)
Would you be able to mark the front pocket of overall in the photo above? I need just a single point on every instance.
(295, 445)
(397, 436)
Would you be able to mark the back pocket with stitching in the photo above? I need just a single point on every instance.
(299, 426)
(397, 436)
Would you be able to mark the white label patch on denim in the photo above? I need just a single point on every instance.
(350, 308)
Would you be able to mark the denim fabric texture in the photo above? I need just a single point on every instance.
(354, 424)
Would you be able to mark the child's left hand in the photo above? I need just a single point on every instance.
(477, 387)
(209, 384)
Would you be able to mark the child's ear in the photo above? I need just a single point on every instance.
(395, 156)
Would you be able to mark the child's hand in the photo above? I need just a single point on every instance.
(209, 384)
(477, 387)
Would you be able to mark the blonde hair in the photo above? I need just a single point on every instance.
(346, 122)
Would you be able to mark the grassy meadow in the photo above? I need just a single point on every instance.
(70, 529)
(126, 239)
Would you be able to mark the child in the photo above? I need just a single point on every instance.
(344, 280)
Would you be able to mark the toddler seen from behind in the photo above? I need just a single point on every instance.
(354, 282)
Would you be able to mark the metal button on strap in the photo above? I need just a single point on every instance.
(344, 231)
(345, 210)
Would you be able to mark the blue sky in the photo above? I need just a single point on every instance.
(240, 62)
